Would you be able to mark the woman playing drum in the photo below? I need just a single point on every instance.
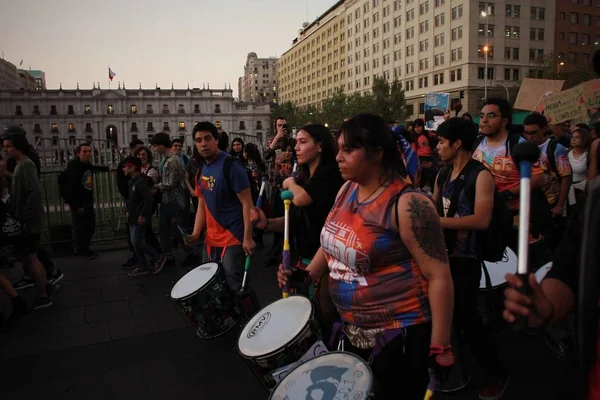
(389, 277)
(314, 192)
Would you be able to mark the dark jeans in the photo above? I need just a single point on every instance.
(85, 226)
(402, 366)
(46, 261)
(466, 275)
(170, 216)
(233, 260)
(149, 238)
(141, 247)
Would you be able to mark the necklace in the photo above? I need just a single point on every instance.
(357, 203)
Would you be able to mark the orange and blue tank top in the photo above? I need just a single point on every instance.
(373, 280)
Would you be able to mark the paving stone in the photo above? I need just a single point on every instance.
(106, 311)
(132, 326)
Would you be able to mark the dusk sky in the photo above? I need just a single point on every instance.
(152, 41)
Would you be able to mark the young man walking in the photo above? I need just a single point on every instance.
(26, 206)
(139, 212)
(81, 200)
(224, 204)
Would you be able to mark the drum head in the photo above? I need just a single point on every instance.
(498, 270)
(335, 375)
(194, 280)
(541, 273)
(275, 326)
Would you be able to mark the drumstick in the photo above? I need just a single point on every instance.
(524, 155)
(261, 193)
(287, 197)
(295, 169)
(246, 268)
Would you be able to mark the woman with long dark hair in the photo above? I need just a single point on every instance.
(254, 162)
(383, 250)
(237, 148)
(145, 155)
(314, 192)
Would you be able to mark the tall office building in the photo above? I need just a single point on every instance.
(429, 46)
(259, 83)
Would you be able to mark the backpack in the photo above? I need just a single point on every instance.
(492, 242)
(158, 195)
(227, 172)
(551, 152)
(63, 185)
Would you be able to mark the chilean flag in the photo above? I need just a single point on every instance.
(111, 74)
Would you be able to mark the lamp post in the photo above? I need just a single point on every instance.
(485, 50)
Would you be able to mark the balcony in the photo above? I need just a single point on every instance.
(134, 129)
(54, 130)
(149, 111)
(150, 129)
(87, 112)
(36, 112)
(165, 111)
(18, 112)
(196, 110)
(88, 129)
(217, 111)
(181, 111)
(166, 129)
(37, 130)
(53, 112)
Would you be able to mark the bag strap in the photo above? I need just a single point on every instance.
(459, 184)
(551, 153)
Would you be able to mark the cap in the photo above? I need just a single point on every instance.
(14, 129)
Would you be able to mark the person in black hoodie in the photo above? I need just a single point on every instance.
(139, 211)
(80, 180)
(123, 186)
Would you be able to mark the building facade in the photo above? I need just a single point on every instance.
(259, 83)
(40, 79)
(8, 75)
(577, 34)
(121, 115)
(429, 46)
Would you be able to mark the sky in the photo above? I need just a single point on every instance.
(152, 42)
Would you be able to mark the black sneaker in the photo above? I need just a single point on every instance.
(41, 302)
(24, 283)
(55, 277)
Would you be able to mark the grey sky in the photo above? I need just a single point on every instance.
(152, 41)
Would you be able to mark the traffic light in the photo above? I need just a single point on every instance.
(462, 94)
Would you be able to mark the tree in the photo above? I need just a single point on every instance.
(333, 110)
(549, 67)
(399, 111)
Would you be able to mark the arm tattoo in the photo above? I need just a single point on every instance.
(426, 228)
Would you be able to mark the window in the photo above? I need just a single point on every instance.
(424, 8)
(259, 125)
(439, 59)
(165, 109)
(149, 109)
(457, 54)
(424, 26)
(182, 126)
(515, 74)
(217, 108)
(585, 39)
(166, 126)
(439, 40)
(53, 110)
(18, 110)
(573, 37)
(376, 17)
(71, 127)
(481, 30)
(424, 45)
(439, 20)
(54, 128)
(36, 110)
(481, 73)
(110, 109)
(538, 13)
(87, 109)
(481, 51)
(134, 127)
(132, 109)
(386, 11)
(367, 80)
(70, 110)
(438, 79)
(410, 15)
(489, 8)
(410, 33)
(150, 127)
(410, 50)
(366, 23)
(512, 32)
(423, 64)
(457, 33)
(242, 126)
(457, 12)
(439, 2)
(574, 18)
(423, 82)
(561, 36)
(397, 38)
(37, 128)
(587, 19)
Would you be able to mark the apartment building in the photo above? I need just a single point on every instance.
(315, 66)
(577, 34)
(259, 83)
(431, 46)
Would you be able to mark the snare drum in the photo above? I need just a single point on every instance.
(336, 375)
(203, 297)
(490, 298)
(541, 273)
(278, 335)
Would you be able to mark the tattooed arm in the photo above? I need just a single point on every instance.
(421, 232)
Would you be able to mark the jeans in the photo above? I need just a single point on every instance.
(141, 247)
(85, 226)
(170, 217)
(466, 275)
(233, 260)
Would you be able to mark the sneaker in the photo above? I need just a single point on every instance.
(51, 289)
(139, 271)
(41, 302)
(20, 309)
(159, 264)
(56, 276)
(494, 391)
(24, 283)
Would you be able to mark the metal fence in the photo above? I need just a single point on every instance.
(55, 154)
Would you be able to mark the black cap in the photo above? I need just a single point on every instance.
(14, 129)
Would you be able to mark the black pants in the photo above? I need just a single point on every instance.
(401, 368)
(85, 226)
(45, 260)
(150, 237)
(466, 275)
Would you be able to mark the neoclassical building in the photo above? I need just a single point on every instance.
(125, 114)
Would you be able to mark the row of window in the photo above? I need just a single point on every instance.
(134, 127)
(586, 19)
(110, 109)
(585, 38)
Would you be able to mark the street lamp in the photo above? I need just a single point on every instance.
(486, 50)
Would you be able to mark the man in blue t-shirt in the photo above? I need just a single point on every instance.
(224, 205)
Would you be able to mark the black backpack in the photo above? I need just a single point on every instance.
(227, 172)
(492, 242)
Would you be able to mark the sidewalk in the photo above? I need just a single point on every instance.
(109, 336)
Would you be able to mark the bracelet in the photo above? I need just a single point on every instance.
(267, 225)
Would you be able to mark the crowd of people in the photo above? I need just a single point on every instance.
(388, 225)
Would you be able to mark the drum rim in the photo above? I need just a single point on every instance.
(195, 292)
(371, 384)
(286, 346)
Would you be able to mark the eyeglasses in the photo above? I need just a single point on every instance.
(490, 115)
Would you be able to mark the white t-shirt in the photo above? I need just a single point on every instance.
(579, 166)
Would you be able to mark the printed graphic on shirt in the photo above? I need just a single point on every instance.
(463, 247)
(551, 181)
(207, 183)
(349, 264)
(87, 180)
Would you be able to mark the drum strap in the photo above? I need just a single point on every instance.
(382, 339)
(212, 253)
